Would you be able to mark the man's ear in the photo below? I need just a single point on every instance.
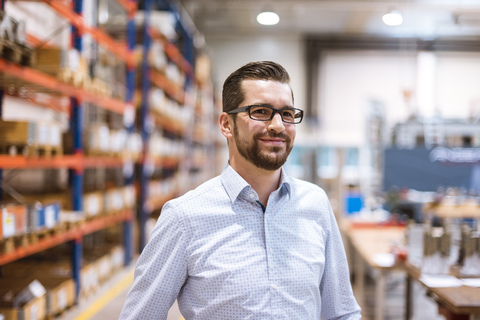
(226, 125)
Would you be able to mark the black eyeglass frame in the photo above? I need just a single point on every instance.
(247, 109)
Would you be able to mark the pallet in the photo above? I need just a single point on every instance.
(76, 78)
(38, 235)
(12, 243)
(15, 52)
(49, 151)
(15, 150)
(31, 151)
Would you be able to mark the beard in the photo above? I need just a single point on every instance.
(271, 158)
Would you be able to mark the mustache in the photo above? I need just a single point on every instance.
(279, 135)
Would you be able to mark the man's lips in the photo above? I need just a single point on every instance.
(274, 141)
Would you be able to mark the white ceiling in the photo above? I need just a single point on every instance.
(426, 19)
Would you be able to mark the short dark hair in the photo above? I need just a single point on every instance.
(233, 95)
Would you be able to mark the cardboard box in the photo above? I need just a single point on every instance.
(60, 293)
(20, 133)
(96, 140)
(22, 299)
(43, 216)
(13, 220)
(114, 200)
(93, 204)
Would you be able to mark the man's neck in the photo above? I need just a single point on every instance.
(264, 182)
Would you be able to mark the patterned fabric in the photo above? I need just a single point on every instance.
(222, 257)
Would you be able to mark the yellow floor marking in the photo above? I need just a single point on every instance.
(118, 288)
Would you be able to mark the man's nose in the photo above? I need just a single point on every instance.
(276, 124)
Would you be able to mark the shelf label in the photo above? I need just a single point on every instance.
(62, 299)
(128, 169)
(129, 116)
(49, 216)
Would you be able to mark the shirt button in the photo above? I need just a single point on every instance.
(275, 287)
(252, 195)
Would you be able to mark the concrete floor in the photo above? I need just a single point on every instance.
(107, 302)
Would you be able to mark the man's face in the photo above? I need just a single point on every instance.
(266, 144)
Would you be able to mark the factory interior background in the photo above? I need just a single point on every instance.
(109, 109)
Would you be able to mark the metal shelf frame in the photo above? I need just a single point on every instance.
(73, 234)
(77, 162)
(150, 77)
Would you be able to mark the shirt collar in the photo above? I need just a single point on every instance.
(234, 184)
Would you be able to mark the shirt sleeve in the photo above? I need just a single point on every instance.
(338, 301)
(161, 270)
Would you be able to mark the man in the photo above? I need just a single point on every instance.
(251, 243)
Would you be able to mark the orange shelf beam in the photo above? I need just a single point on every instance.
(75, 233)
(166, 85)
(129, 5)
(48, 82)
(170, 125)
(167, 162)
(21, 162)
(172, 51)
(116, 48)
(77, 161)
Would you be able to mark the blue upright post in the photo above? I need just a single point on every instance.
(77, 173)
(145, 130)
(131, 76)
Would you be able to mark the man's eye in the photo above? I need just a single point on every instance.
(260, 111)
(288, 114)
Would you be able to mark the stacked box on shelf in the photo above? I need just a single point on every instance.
(17, 137)
(13, 220)
(49, 138)
(97, 139)
(65, 64)
(133, 147)
(114, 200)
(43, 216)
(93, 204)
(13, 40)
(22, 299)
(60, 293)
(30, 138)
(59, 286)
(117, 143)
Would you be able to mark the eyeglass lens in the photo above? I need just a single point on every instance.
(265, 113)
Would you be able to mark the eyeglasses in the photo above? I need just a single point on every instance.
(263, 112)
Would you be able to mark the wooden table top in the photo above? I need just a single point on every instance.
(453, 211)
(460, 300)
(373, 241)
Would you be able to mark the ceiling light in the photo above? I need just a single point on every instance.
(268, 18)
(393, 18)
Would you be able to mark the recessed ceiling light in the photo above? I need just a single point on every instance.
(393, 18)
(268, 18)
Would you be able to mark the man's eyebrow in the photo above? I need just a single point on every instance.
(269, 105)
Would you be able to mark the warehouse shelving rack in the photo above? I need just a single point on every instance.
(182, 55)
(184, 61)
(77, 162)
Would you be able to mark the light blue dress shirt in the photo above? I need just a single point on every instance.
(223, 258)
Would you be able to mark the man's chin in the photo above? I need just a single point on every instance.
(270, 163)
